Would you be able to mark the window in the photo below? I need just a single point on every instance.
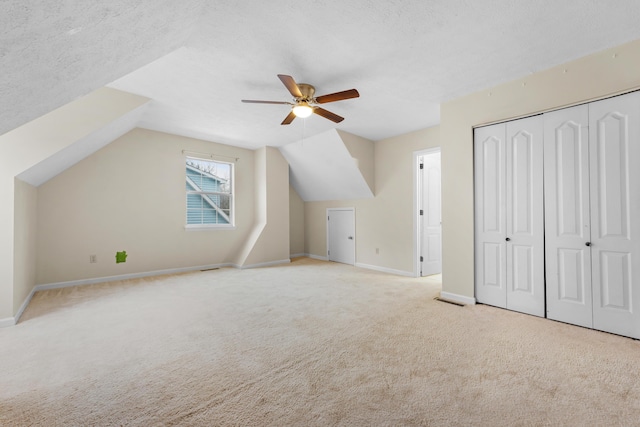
(209, 186)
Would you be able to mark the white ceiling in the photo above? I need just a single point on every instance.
(196, 59)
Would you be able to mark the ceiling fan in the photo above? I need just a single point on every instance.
(305, 103)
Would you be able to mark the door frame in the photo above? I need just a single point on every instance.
(417, 187)
(353, 212)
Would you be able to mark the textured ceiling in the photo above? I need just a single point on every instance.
(197, 59)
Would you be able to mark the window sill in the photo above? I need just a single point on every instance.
(208, 227)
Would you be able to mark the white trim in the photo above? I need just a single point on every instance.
(81, 282)
(297, 255)
(353, 210)
(416, 209)
(458, 298)
(24, 305)
(231, 194)
(208, 227)
(318, 257)
(12, 321)
(263, 264)
(385, 270)
(8, 321)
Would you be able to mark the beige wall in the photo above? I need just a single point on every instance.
(272, 186)
(609, 72)
(130, 196)
(386, 221)
(25, 242)
(34, 142)
(7, 194)
(296, 223)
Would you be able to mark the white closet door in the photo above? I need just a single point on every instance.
(431, 219)
(567, 229)
(490, 207)
(615, 213)
(525, 216)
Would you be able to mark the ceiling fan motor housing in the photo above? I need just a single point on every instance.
(307, 92)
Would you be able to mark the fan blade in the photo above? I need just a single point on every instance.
(338, 96)
(328, 115)
(252, 101)
(291, 85)
(288, 119)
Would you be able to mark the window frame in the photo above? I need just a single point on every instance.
(231, 194)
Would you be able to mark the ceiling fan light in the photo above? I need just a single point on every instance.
(302, 110)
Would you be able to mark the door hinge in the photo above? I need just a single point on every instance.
(421, 212)
(421, 165)
(421, 259)
(328, 218)
(328, 253)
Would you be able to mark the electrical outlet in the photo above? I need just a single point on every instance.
(93, 259)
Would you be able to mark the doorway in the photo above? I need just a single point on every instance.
(341, 235)
(428, 212)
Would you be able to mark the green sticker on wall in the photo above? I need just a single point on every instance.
(121, 257)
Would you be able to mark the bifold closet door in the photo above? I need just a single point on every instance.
(592, 215)
(490, 215)
(510, 216)
(567, 219)
(614, 143)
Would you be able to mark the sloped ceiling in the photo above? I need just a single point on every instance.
(322, 168)
(81, 148)
(196, 59)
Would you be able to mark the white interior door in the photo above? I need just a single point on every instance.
(567, 216)
(431, 229)
(614, 142)
(341, 227)
(525, 216)
(490, 209)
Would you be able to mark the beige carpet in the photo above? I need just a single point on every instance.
(307, 344)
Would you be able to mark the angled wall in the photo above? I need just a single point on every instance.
(323, 168)
(385, 222)
(269, 242)
(28, 146)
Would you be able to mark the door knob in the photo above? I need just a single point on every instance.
(350, 237)
(588, 244)
(507, 239)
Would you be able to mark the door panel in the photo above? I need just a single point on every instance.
(567, 220)
(571, 280)
(615, 286)
(490, 210)
(525, 216)
(493, 276)
(615, 208)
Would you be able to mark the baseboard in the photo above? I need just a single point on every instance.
(264, 264)
(318, 257)
(93, 281)
(8, 321)
(24, 305)
(385, 270)
(11, 321)
(458, 298)
(297, 255)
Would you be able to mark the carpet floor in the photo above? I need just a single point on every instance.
(307, 344)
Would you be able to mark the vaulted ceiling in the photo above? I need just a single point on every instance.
(197, 59)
